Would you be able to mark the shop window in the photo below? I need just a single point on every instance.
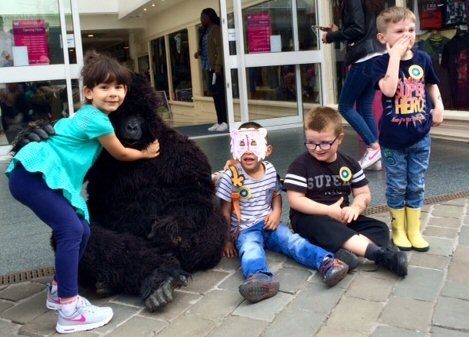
(24, 102)
(442, 32)
(308, 32)
(180, 66)
(268, 27)
(160, 67)
(33, 35)
(279, 83)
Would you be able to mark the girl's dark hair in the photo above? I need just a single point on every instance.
(101, 68)
(210, 12)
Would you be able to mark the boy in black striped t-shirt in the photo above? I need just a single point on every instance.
(249, 193)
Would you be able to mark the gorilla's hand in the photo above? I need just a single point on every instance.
(158, 288)
(36, 131)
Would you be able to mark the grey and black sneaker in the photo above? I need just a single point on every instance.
(349, 258)
(332, 271)
(258, 287)
(393, 260)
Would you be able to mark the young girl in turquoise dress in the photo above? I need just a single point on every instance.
(48, 178)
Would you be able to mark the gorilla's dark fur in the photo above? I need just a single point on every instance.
(153, 222)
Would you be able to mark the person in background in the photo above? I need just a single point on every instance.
(358, 31)
(319, 183)
(412, 104)
(48, 177)
(254, 215)
(211, 55)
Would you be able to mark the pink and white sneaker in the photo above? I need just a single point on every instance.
(370, 157)
(84, 318)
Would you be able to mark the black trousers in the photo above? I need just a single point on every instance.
(218, 92)
(331, 234)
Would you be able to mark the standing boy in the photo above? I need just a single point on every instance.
(411, 105)
(251, 203)
(319, 183)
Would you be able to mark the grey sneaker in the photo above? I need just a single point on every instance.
(84, 318)
(259, 286)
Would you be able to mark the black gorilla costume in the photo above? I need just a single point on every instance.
(153, 222)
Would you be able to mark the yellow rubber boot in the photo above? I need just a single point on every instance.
(399, 236)
(413, 230)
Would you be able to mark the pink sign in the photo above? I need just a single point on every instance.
(259, 30)
(33, 35)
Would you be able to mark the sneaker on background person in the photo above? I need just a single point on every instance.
(258, 287)
(370, 157)
(332, 271)
(378, 166)
(222, 127)
(214, 127)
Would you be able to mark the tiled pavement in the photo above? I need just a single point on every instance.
(433, 300)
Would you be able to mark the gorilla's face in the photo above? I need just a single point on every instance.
(136, 122)
(130, 130)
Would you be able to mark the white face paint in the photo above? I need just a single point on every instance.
(249, 140)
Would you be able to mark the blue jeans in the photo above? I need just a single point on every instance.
(405, 174)
(358, 91)
(252, 241)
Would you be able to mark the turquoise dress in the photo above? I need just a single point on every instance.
(65, 158)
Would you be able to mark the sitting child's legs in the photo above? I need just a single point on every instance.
(284, 241)
(250, 245)
(259, 283)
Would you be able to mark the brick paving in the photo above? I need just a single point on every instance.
(433, 300)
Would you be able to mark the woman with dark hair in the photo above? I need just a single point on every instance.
(211, 55)
(358, 31)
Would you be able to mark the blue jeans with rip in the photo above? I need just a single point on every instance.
(253, 241)
(357, 91)
(405, 174)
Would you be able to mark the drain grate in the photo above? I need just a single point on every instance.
(45, 272)
(26, 275)
(437, 199)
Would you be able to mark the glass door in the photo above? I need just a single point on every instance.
(273, 60)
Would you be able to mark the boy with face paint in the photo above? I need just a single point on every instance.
(258, 225)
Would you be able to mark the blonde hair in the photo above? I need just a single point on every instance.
(323, 117)
(393, 15)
